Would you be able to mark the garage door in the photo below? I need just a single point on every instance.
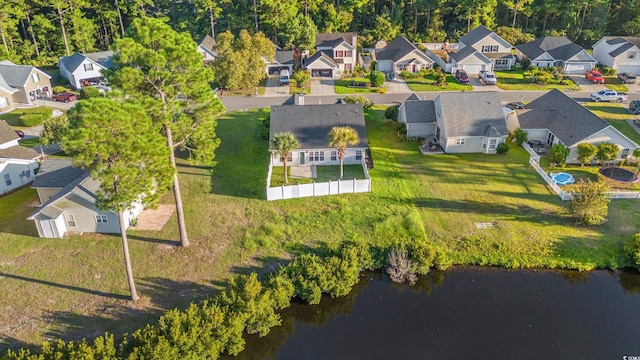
(275, 70)
(322, 73)
(473, 69)
(634, 69)
(576, 68)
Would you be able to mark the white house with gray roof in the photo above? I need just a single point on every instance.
(208, 49)
(17, 163)
(22, 84)
(556, 118)
(311, 125)
(619, 52)
(482, 49)
(68, 196)
(85, 69)
(557, 51)
(336, 53)
(401, 55)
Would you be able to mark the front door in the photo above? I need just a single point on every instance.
(301, 158)
(550, 139)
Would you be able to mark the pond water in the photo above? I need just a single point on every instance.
(466, 313)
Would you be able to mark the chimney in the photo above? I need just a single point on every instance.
(298, 99)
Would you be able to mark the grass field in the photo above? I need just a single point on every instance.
(427, 84)
(616, 115)
(76, 287)
(612, 82)
(514, 80)
(341, 87)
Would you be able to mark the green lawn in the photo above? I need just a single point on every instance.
(324, 174)
(76, 287)
(420, 84)
(612, 82)
(514, 80)
(616, 115)
(295, 89)
(342, 86)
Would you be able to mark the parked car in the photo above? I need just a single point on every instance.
(608, 95)
(594, 76)
(634, 107)
(487, 77)
(462, 76)
(515, 105)
(19, 133)
(64, 96)
(627, 78)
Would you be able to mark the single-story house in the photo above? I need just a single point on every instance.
(68, 196)
(17, 163)
(619, 52)
(208, 49)
(85, 69)
(556, 118)
(460, 122)
(283, 60)
(311, 125)
(482, 49)
(400, 55)
(336, 53)
(558, 51)
(22, 84)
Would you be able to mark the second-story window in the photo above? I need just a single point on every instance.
(88, 67)
(489, 48)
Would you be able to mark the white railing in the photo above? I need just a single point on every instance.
(318, 189)
(531, 152)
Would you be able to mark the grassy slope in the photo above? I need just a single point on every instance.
(76, 287)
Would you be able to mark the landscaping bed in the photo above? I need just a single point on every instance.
(515, 80)
(357, 85)
(427, 83)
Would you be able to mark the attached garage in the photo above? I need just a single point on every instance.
(275, 69)
(633, 69)
(321, 73)
(473, 69)
(576, 68)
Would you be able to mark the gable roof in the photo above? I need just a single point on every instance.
(6, 133)
(622, 48)
(57, 173)
(472, 114)
(569, 121)
(413, 96)
(322, 56)
(466, 52)
(19, 152)
(17, 75)
(614, 40)
(397, 49)
(559, 47)
(103, 58)
(420, 111)
(284, 57)
(72, 62)
(311, 124)
(208, 44)
(3, 85)
(82, 190)
(475, 35)
(335, 39)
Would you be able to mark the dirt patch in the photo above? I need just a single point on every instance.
(154, 219)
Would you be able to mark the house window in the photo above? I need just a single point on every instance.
(334, 155)
(348, 67)
(88, 67)
(349, 53)
(102, 219)
(71, 220)
(358, 154)
(4, 102)
(624, 154)
(339, 53)
(316, 155)
(460, 141)
(35, 77)
(489, 48)
(7, 179)
(492, 144)
(502, 63)
(632, 54)
(290, 157)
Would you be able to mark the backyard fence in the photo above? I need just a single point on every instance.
(318, 189)
(565, 195)
(531, 152)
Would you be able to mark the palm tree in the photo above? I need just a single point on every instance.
(340, 137)
(282, 144)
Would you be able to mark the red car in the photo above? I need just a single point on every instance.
(594, 76)
(64, 96)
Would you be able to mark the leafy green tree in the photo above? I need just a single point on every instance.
(514, 36)
(590, 204)
(164, 70)
(586, 153)
(391, 113)
(558, 154)
(117, 143)
(441, 78)
(282, 144)
(376, 78)
(607, 152)
(342, 137)
(515, 6)
(520, 136)
(213, 9)
(358, 99)
(299, 33)
(301, 77)
(385, 28)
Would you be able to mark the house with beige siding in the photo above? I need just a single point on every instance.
(17, 163)
(482, 49)
(401, 55)
(555, 118)
(29, 83)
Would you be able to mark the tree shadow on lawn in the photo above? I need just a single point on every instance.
(174, 243)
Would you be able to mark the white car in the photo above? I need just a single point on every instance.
(487, 77)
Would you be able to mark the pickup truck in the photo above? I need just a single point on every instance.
(627, 78)
(594, 76)
(608, 95)
(487, 77)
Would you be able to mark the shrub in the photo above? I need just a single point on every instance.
(441, 79)
(520, 136)
(502, 148)
(46, 112)
(31, 119)
(391, 112)
(558, 154)
(381, 90)
(301, 77)
(376, 78)
(58, 89)
(89, 92)
(373, 65)
(586, 153)
(400, 268)
(632, 248)
(358, 99)
(590, 204)
(566, 82)
(525, 63)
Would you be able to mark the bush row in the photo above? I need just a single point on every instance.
(35, 116)
(246, 306)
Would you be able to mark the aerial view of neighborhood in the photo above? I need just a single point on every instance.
(319, 179)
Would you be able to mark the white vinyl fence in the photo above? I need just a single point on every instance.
(318, 189)
(565, 195)
(531, 152)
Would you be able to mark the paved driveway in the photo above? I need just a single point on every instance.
(586, 85)
(322, 87)
(397, 86)
(273, 87)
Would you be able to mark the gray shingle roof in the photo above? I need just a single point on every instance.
(622, 48)
(334, 39)
(82, 190)
(311, 124)
(613, 40)
(19, 152)
(208, 42)
(396, 49)
(413, 96)
(16, 75)
(475, 35)
(6, 133)
(104, 58)
(72, 62)
(324, 54)
(57, 173)
(284, 57)
(7, 87)
(569, 121)
(466, 52)
(420, 111)
(559, 47)
(472, 114)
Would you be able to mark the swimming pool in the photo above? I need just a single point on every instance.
(562, 178)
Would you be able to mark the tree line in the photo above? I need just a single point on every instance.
(40, 31)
